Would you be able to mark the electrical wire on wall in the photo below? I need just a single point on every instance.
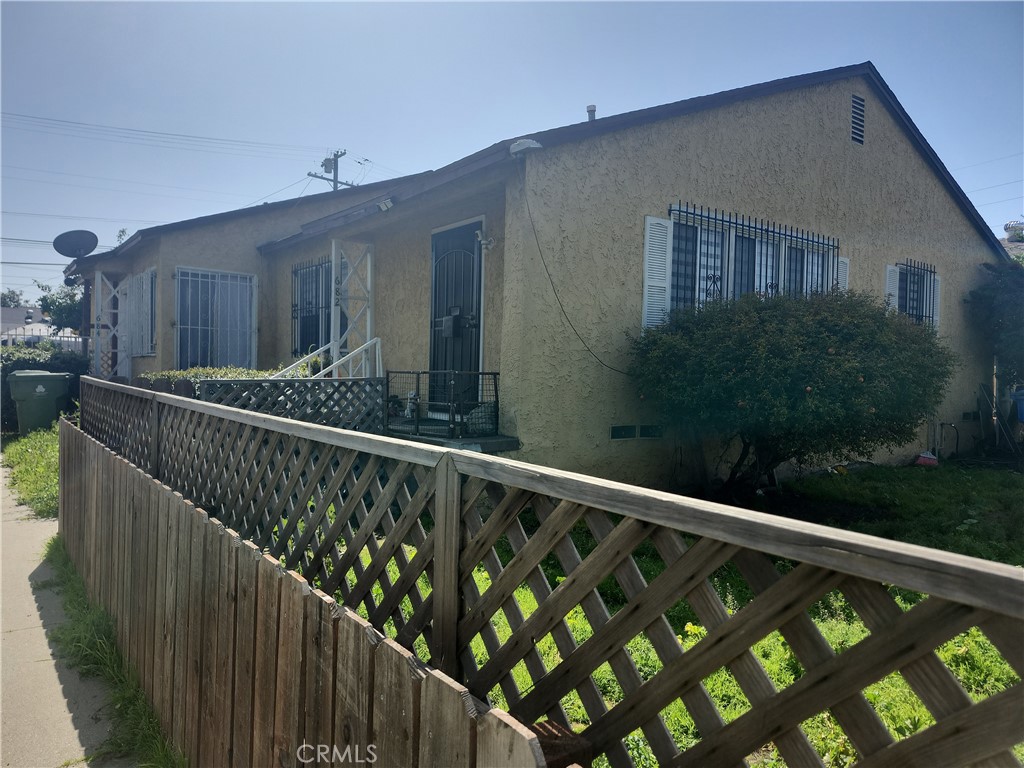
(543, 261)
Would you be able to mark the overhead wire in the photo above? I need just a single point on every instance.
(165, 139)
(995, 186)
(82, 218)
(986, 162)
(123, 181)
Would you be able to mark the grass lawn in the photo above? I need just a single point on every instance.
(973, 511)
(33, 463)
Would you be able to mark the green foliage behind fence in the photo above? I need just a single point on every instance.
(45, 357)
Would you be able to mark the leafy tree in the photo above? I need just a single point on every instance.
(63, 305)
(830, 376)
(11, 298)
(996, 308)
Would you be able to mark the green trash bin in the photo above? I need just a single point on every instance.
(38, 397)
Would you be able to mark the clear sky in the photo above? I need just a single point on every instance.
(134, 114)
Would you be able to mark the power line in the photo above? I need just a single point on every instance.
(120, 191)
(282, 189)
(151, 138)
(1005, 200)
(124, 181)
(985, 162)
(162, 139)
(82, 218)
(994, 186)
(19, 241)
(32, 263)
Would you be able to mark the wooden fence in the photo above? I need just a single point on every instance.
(356, 404)
(525, 584)
(244, 663)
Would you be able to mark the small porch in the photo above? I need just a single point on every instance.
(453, 409)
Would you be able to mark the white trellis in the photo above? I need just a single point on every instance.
(353, 294)
(111, 356)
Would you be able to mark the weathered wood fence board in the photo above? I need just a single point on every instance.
(473, 564)
(243, 662)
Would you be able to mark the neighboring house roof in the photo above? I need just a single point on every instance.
(412, 186)
(149, 233)
(14, 317)
(1015, 250)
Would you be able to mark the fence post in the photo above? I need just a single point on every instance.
(447, 542)
(154, 438)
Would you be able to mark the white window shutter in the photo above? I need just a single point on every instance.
(892, 286)
(843, 274)
(139, 311)
(936, 295)
(657, 270)
(133, 337)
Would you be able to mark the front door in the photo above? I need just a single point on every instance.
(455, 311)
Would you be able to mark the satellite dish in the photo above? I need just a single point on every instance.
(76, 243)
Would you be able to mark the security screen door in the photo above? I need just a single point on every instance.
(455, 307)
(216, 319)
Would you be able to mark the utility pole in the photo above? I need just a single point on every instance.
(330, 165)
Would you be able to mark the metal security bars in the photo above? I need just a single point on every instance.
(312, 295)
(916, 293)
(719, 255)
(216, 319)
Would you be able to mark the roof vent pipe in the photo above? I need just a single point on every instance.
(591, 112)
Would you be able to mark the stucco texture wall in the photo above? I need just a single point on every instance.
(787, 158)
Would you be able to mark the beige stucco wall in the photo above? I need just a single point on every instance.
(788, 158)
(228, 245)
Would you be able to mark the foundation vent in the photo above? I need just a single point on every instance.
(857, 119)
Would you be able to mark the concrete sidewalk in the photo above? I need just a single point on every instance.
(50, 715)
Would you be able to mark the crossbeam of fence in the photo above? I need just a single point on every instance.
(475, 564)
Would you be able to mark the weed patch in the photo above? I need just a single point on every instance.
(33, 460)
(86, 640)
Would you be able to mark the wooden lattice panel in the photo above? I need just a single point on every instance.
(356, 404)
(618, 673)
(599, 606)
(121, 418)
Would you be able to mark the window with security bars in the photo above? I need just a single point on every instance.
(914, 288)
(699, 255)
(216, 319)
(312, 298)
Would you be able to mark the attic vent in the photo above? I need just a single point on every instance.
(857, 119)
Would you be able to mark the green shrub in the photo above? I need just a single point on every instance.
(195, 375)
(45, 357)
(996, 309)
(831, 376)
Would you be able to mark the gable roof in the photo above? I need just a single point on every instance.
(404, 189)
(144, 235)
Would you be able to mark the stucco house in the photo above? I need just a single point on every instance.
(535, 257)
(192, 293)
